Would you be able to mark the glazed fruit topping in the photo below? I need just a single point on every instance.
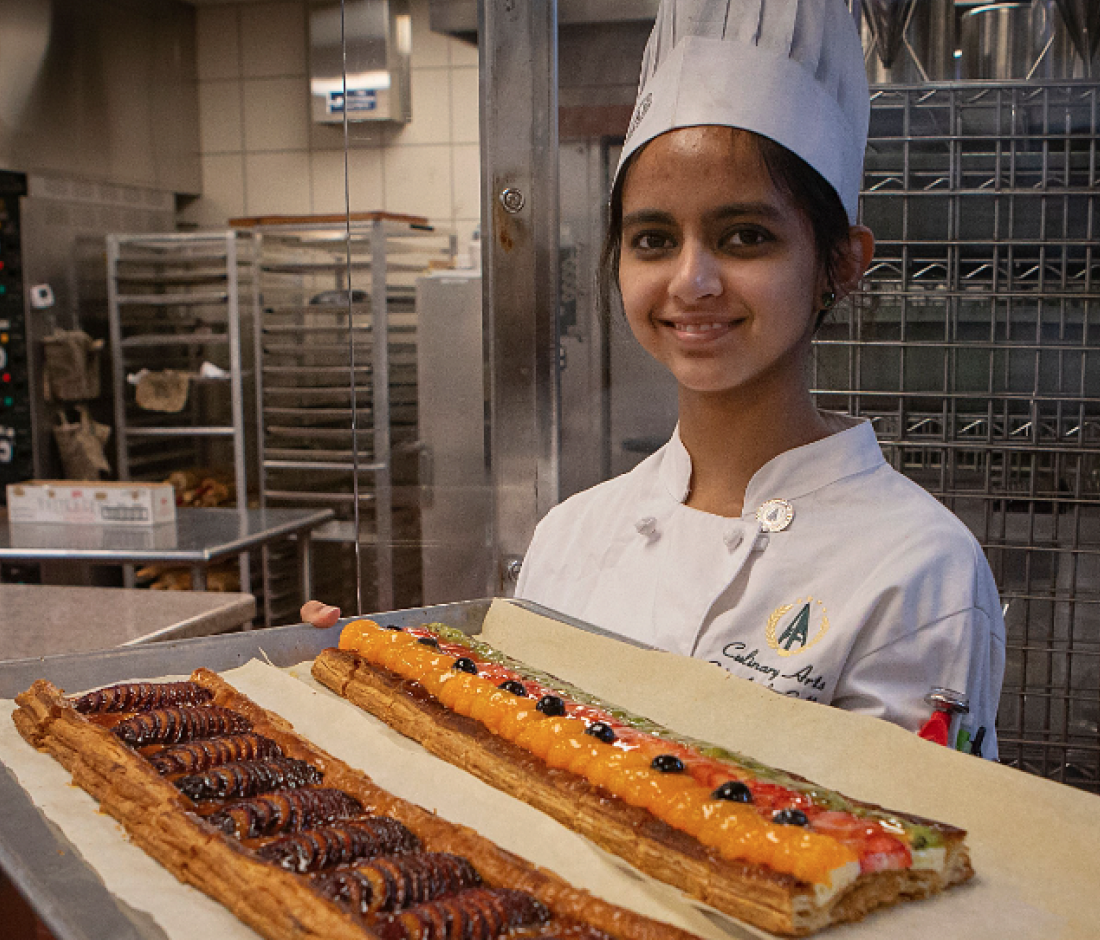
(601, 731)
(465, 664)
(429, 641)
(551, 705)
(790, 817)
(734, 791)
(396, 629)
(514, 686)
(667, 764)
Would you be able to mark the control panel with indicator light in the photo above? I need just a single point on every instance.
(16, 456)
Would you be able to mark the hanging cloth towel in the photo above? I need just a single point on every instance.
(71, 366)
(163, 391)
(81, 444)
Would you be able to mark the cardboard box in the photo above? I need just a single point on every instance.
(91, 503)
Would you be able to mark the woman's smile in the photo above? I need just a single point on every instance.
(700, 332)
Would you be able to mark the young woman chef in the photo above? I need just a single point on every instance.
(766, 536)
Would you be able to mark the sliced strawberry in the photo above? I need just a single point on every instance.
(883, 852)
(708, 772)
(769, 797)
(495, 673)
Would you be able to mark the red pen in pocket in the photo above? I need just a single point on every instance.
(943, 726)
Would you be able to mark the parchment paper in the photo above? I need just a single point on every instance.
(1036, 844)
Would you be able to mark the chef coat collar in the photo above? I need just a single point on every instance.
(850, 448)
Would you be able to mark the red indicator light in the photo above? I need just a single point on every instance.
(7, 376)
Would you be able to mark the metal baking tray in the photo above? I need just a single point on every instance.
(66, 893)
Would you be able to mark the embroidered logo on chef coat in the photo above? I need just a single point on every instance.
(794, 628)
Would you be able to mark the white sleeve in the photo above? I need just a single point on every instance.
(963, 651)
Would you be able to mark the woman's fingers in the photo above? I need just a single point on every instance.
(319, 614)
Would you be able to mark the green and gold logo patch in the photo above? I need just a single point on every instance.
(794, 628)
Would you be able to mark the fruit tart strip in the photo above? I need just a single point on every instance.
(636, 767)
(759, 860)
(710, 764)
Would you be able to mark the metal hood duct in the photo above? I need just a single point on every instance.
(459, 17)
(372, 82)
(1082, 19)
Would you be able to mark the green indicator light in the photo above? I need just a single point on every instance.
(3, 289)
(8, 402)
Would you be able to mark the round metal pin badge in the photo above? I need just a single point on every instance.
(775, 515)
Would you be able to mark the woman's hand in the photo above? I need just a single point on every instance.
(319, 614)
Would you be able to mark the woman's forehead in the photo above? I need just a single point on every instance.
(700, 162)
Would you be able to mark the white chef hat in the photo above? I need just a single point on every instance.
(791, 70)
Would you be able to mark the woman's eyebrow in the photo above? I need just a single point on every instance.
(648, 217)
(760, 210)
(764, 210)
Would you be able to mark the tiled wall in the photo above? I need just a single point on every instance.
(262, 155)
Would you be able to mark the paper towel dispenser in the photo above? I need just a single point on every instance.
(372, 82)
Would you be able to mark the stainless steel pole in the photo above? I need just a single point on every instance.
(517, 42)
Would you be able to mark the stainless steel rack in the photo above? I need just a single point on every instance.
(336, 408)
(174, 303)
(975, 349)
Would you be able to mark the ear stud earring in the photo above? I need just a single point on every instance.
(827, 300)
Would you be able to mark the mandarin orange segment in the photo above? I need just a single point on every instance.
(391, 647)
(499, 707)
(685, 810)
(570, 726)
(531, 729)
(563, 750)
(599, 770)
(626, 776)
(482, 703)
(356, 632)
(665, 787)
(724, 821)
(635, 785)
(741, 840)
(405, 662)
(588, 751)
(434, 679)
(809, 856)
(472, 688)
(519, 716)
(453, 686)
(542, 740)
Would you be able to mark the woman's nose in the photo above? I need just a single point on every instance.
(697, 275)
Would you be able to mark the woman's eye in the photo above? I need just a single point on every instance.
(745, 238)
(650, 241)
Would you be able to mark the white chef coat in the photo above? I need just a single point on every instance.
(871, 596)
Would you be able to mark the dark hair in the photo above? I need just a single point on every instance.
(789, 173)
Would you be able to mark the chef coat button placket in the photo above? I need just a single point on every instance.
(647, 526)
(733, 539)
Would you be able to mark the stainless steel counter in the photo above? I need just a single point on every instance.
(198, 538)
(44, 620)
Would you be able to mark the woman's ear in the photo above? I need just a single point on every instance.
(856, 260)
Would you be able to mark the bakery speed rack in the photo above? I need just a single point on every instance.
(336, 409)
(174, 311)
